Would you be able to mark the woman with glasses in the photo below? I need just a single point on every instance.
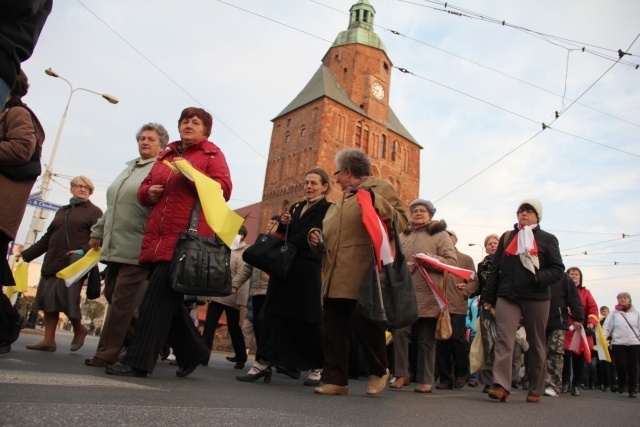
(65, 241)
(526, 263)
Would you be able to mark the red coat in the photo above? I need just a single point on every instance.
(589, 307)
(170, 214)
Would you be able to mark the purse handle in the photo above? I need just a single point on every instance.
(195, 215)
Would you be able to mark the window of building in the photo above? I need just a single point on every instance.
(303, 131)
(394, 148)
(358, 138)
(288, 122)
(365, 139)
(287, 137)
(383, 146)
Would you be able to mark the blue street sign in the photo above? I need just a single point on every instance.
(35, 196)
(44, 205)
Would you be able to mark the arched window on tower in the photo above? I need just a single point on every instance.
(358, 138)
(383, 146)
(303, 131)
(394, 148)
(287, 137)
(365, 139)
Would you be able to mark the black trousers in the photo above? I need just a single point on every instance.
(214, 311)
(572, 368)
(162, 317)
(626, 359)
(257, 302)
(452, 355)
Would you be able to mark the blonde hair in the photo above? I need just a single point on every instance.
(76, 180)
(491, 236)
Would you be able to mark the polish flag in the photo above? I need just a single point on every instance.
(376, 229)
(440, 298)
(580, 344)
(456, 271)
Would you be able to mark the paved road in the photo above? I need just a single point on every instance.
(57, 389)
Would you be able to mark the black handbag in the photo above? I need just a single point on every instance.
(271, 254)
(200, 265)
(399, 306)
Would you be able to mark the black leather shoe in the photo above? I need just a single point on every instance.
(185, 371)
(564, 389)
(123, 370)
(239, 365)
(251, 378)
(290, 372)
(231, 359)
(5, 347)
(575, 391)
(633, 394)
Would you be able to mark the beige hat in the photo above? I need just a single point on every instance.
(535, 204)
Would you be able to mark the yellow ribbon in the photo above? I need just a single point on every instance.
(222, 220)
(20, 277)
(75, 271)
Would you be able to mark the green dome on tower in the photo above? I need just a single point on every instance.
(360, 27)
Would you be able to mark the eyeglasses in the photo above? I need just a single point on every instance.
(337, 172)
(530, 211)
(421, 211)
(82, 187)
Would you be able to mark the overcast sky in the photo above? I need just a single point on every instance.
(476, 92)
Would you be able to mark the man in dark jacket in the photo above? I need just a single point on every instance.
(526, 263)
(564, 299)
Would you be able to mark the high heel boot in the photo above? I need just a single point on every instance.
(255, 374)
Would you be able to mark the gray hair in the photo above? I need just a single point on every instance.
(355, 160)
(160, 130)
(624, 294)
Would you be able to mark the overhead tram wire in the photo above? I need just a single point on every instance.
(458, 11)
(544, 127)
(624, 236)
(186, 92)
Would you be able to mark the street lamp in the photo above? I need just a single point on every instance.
(39, 214)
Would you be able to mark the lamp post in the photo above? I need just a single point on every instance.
(39, 214)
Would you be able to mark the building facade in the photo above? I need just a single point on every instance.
(345, 104)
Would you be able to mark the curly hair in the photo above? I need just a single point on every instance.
(355, 160)
(160, 130)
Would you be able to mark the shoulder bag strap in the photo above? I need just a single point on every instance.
(632, 330)
(195, 214)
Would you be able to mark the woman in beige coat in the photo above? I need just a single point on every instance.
(429, 237)
(347, 254)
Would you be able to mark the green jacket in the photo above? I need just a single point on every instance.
(123, 224)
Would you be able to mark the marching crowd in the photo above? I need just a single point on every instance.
(522, 308)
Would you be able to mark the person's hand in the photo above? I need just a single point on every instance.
(18, 255)
(154, 192)
(461, 286)
(315, 238)
(234, 290)
(285, 218)
(487, 306)
(590, 326)
(412, 266)
(94, 243)
(175, 159)
(577, 326)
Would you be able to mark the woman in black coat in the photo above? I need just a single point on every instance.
(292, 313)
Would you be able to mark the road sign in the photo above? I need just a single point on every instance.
(35, 196)
(44, 205)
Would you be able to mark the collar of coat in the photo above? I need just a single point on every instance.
(204, 145)
(431, 227)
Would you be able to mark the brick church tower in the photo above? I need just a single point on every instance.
(345, 104)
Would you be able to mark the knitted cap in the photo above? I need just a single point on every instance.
(426, 203)
(535, 204)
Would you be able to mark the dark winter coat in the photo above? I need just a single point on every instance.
(564, 297)
(298, 297)
(20, 135)
(511, 280)
(170, 215)
(70, 230)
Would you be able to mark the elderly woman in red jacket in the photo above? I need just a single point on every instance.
(162, 315)
(574, 362)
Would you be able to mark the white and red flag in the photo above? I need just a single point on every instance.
(456, 271)
(580, 344)
(376, 229)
